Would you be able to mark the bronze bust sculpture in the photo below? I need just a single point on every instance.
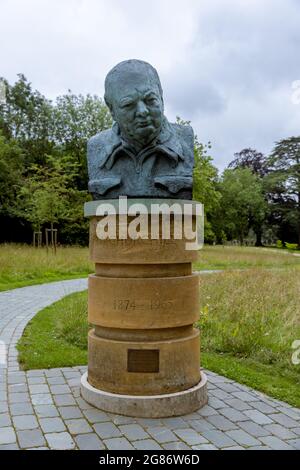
(142, 155)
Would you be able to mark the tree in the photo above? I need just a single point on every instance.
(11, 171)
(242, 202)
(77, 118)
(47, 195)
(283, 186)
(27, 117)
(205, 179)
(257, 163)
(40, 128)
(252, 159)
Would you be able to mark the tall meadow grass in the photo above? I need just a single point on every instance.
(253, 314)
(24, 264)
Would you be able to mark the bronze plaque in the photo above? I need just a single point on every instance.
(143, 360)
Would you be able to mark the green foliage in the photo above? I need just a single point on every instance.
(283, 187)
(242, 203)
(27, 116)
(43, 174)
(205, 179)
(256, 162)
(77, 118)
(47, 195)
(291, 246)
(279, 244)
(11, 171)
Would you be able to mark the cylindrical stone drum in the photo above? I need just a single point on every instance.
(143, 301)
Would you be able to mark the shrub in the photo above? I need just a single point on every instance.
(291, 246)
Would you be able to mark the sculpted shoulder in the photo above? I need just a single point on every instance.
(99, 147)
(184, 133)
(107, 138)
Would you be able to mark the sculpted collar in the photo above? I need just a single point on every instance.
(166, 144)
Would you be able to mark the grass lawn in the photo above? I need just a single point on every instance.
(237, 257)
(248, 321)
(23, 265)
(57, 335)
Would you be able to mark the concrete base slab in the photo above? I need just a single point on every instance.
(152, 406)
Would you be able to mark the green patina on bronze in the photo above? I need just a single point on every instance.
(143, 154)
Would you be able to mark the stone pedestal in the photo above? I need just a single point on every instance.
(144, 353)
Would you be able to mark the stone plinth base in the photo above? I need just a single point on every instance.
(151, 406)
(143, 302)
(154, 366)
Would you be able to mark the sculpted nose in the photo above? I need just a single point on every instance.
(141, 108)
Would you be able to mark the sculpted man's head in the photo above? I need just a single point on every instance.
(133, 94)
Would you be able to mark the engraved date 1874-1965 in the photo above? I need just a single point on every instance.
(153, 304)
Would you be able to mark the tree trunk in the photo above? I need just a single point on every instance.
(258, 233)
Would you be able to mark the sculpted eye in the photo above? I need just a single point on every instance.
(127, 105)
(151, 100)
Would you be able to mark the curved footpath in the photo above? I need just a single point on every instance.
(42, 409)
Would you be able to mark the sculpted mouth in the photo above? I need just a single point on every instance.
(143, 124)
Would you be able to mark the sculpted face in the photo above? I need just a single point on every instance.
(137, 106)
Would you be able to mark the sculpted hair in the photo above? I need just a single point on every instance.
(129, 66)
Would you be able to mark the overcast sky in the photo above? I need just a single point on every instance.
(225, 65)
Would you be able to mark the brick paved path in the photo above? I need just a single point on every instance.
(43, 408)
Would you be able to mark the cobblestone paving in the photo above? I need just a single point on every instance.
(42, 409)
